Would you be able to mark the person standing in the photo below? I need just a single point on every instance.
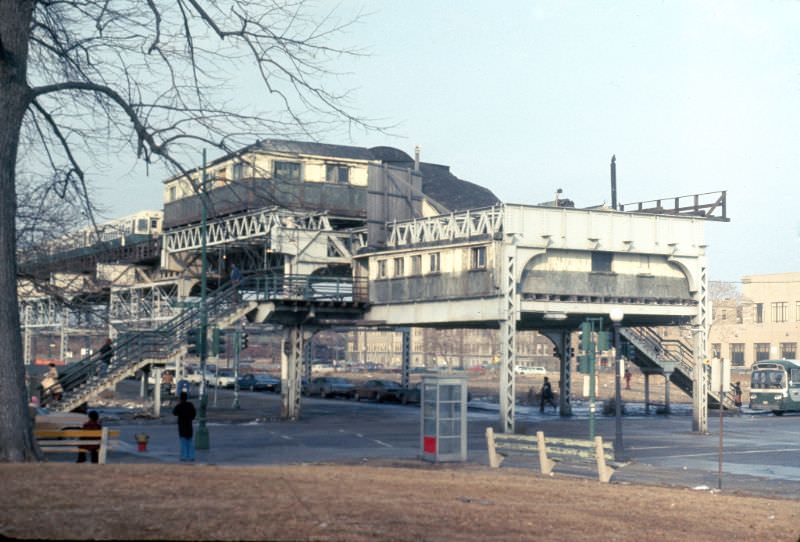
(93, 423)
(737, 397)
(51, 386)
(628, 378)
(186, 413)
(547, 395)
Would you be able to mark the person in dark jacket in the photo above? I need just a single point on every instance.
(186, 413)
(93, 423)
(547, 395)
(106, 353)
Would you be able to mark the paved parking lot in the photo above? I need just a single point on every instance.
(760, 452)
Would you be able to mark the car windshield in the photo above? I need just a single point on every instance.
(226, 372)
(767, 379)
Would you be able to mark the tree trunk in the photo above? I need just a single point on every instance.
(16, 428)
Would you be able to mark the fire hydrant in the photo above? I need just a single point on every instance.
(141, 441)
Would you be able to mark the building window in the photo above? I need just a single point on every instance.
(601, 262)
(173, 194)
(436, 262)
(779, 311)
(716, 350)
(416, 265)
(762, 351)
(759, 317)
(381, 269)
(335, 173)
(737, 354)
(286, 171)
(797, 311)
(398, 267)
(238, 171)
(141, 225)
(477, 258)
(789, 350)
(739, 314)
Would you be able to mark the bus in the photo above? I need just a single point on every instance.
(775, 386)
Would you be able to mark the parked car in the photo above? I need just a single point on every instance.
(257, 382)
(411, 394)
(380, 390)
(223, 378)
(330, 386)
(49, 420)
(194, 376)
(522, 370)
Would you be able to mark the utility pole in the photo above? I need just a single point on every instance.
(201, 438)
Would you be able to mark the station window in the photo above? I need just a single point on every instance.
(761, 351)
(477, 258)
(436, 262)
(153, 224)
(173, 193)
(601, 262)
(238, 171)
(759, 314)
(789, 350)
(416, 265)
(716, 350)
(382, 269)
(399, 269)
(141, 225)
(336, 173)
(737, 354)
(286, 171)
(780, 311)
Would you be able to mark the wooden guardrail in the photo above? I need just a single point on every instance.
(76, 440)
(551, 451)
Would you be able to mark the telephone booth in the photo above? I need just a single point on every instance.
(443, 418)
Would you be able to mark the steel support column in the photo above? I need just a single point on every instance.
(700, 378)
(291, 367)
(561, 339)
(405, 362)
(508, 338)
(64, 336)
(27, 341)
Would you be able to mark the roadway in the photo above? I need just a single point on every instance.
(760, 450)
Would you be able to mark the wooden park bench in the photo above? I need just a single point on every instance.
(75, 440)
(552, 450)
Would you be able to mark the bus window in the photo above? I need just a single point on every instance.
(768, 379)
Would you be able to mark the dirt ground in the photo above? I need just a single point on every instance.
(393, 501)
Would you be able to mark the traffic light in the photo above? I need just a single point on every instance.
(242, 341)
(585, 336)
(193, 341)
(603, 341)
(218, 342)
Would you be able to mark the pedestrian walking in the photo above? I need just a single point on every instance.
(236, 279)
(106, 353)
(547, 395)
(737, 397)
(186, 413)
(628, 378)
(51, 387)
(93, 423)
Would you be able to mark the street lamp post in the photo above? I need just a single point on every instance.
(616, 316)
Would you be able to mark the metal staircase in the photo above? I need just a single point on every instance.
(135, 349)
(652, 350)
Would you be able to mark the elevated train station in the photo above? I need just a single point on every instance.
(330, 236)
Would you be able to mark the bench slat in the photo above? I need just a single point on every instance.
(577, 443)
(73, 433)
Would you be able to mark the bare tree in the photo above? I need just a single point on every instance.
(86, 78)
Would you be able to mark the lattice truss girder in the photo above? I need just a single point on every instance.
(472, 223)
(49, 312)
(700, 378)
(149, 303)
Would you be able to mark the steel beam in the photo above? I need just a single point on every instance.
(508, 338)
(700, 378)
(405, 362)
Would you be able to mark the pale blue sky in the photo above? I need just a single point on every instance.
(526, 97)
